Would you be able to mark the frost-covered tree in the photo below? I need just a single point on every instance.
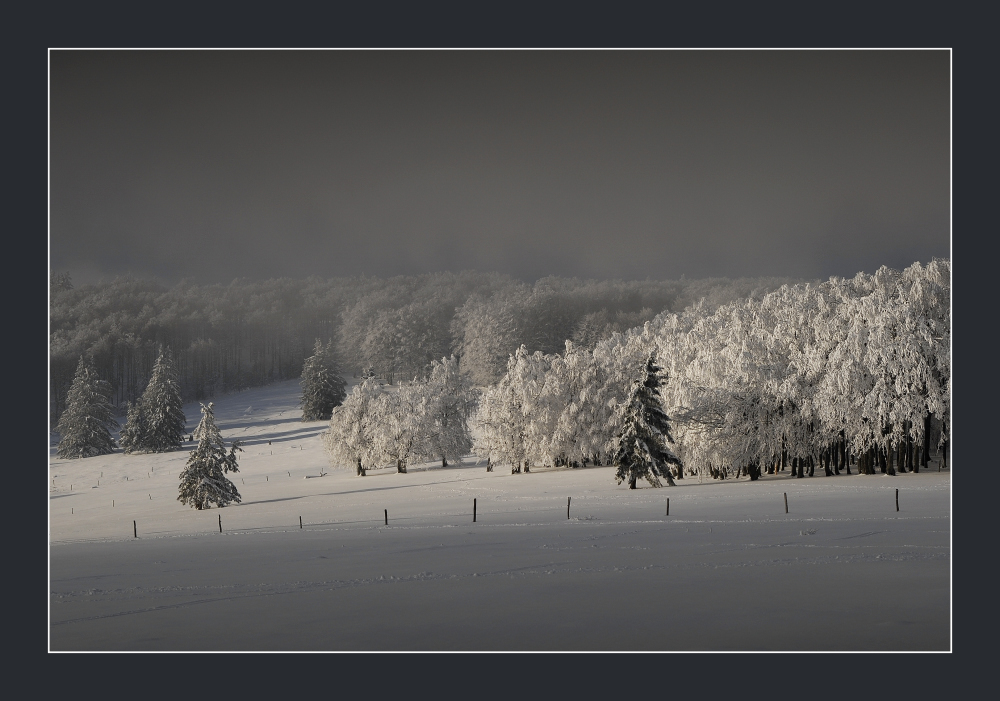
(398, 424)
(642, 449)
(133, 432)
(449, 401)
(86, 424)
(162, 408)
(350, 438)
(488, 330)
(323, 386)
(203, 481)
(504, 414)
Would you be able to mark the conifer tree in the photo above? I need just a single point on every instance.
(323, 387)
(162, 408)
(133, 432)
(642, 443)
(86, 424)
(203, 481)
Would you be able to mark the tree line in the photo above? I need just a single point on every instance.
(226, 338)
(848, 371)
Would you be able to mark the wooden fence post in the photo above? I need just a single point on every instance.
(387, 517)
(668, 506)
(135, 532)
(786, 502)
(897, 500)
(220, 523)
(568, 500)
(473, 510)
(300, 523)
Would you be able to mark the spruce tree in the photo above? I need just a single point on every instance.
(162, 408)
(645, 432)
(323, 387)
(133, 433)
(203, 481)
(86, 424)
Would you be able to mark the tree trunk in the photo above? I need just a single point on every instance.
(631, 482)
(890, 453)
(444, 462)
(927, 441)
(361, 470)
(812, 466)
(911, 458)
(944, 446)
(795, 463)
(527, 466)
(401, 466)
(489, 465)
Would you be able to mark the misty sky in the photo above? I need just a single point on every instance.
(213, 165)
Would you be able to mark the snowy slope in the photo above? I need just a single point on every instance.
(728, 569)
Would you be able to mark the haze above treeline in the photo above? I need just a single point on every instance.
(212, 165)
(226, 338)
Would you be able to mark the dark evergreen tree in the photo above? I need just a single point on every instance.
(203, 480)
(86, 424)
(162, 408)
(323, 387)
(133, 433)
(642, 449)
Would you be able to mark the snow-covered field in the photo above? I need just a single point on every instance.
(728, 569)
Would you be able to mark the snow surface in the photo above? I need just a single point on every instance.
(726, 570)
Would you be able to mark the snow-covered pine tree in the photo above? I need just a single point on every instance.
(203, 481)
(162, 408)
(133, 432)
(86, 424)
(323, 387)
(642, 449)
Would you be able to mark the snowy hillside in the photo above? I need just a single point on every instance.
(727, 569)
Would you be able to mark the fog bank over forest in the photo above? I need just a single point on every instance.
(226, 338)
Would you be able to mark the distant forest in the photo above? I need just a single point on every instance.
(226, 338)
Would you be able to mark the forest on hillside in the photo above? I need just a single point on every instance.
(226, 338)
(811, 377)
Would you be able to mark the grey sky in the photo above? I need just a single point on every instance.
(215, 165)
